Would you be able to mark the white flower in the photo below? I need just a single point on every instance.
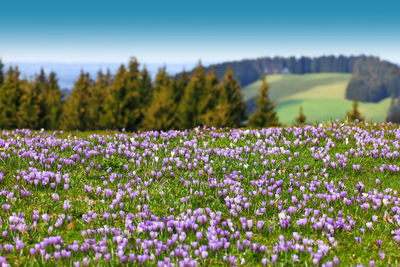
(385, 202)
(132, 139)
(156, 158)
(282, 215)
(246, 166)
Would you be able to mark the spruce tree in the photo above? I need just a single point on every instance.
(75, 114)
(146, 93)
(188, 111)
(28, 110)
(221, 117)
(209, 99)
(40, 87)
(179, 83)
(161, 114)
(53, 103)
(301, 119)
(264, 116)
(10, 99)
(354, 114)
(1, 73)
(49, 100)
(231, 91)
(132, 103)
(393, 114)
(98, 93)
(123, 100)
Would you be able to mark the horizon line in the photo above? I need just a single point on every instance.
(188, 62)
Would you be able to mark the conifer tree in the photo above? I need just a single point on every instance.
(393, 114)
(145, 92)
(132, 118)
(231, 96)
(179, 83)
(221, 117)
(189, 105)
(10, 99)
(354, 114)
(28, 110)
(40, 88)
(53, 103)
(123, 100)
(98, 93)
(209, 99)
(161, 114)
(1, 73)
(264, 116)
(75, 114)
(301, 119)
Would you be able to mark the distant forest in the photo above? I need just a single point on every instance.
(250, 70)
(373, 79)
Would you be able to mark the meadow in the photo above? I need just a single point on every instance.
(322, 96)
(312, 195)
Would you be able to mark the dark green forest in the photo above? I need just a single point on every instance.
(373, 80)
(128, 100)
(250, 70)
(131, 100)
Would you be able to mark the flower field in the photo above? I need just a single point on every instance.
(315, 195)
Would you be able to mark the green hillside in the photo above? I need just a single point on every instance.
(322, 96)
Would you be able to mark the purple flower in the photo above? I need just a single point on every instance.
(274, 258)
(336, 261)
(264, 261)
(295, 258)
(260, 225)
(55, 197)
(66, 205)
(85, 261)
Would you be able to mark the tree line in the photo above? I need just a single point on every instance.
(250, 70)
(374, 80)
(130, 100)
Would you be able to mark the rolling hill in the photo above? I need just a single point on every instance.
(322, 96)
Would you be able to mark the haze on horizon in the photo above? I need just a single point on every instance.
(181, 31)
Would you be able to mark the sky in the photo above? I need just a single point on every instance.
(188, 31)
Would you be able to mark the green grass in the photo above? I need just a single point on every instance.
(237, 157)
(322, 96)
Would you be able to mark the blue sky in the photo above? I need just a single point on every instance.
(186, 31)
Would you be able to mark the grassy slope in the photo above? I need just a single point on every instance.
(322, 96)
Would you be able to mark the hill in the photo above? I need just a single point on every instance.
(250, 70)
(322, 96)
(374, 80)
